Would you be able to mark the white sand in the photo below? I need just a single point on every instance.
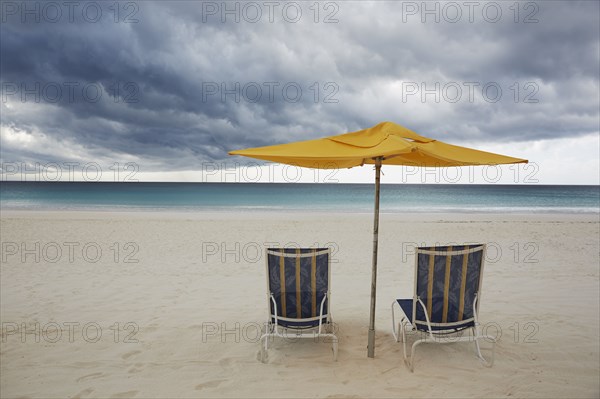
(541, 287)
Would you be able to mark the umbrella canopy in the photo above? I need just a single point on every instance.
(386, 143)
(395, 144)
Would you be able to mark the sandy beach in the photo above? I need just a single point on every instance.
(138, 304)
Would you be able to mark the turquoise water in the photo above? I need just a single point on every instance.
(299, 197)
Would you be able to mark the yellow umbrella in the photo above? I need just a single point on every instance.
(386, 143)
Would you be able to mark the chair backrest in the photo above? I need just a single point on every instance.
(298, 279)
(447, 281)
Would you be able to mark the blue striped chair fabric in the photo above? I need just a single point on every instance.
(298, 280)
(447, 282)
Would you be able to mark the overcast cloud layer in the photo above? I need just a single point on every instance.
(172, 85)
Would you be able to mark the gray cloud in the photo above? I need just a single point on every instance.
(157, 90)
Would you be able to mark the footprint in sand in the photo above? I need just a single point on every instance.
(89, 377)
(129, 354)
(209, 384)
(136, 368)
(83, 393)
(226, 363)
(151, 328)
(128, 394)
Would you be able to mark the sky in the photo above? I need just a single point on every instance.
(161, 91)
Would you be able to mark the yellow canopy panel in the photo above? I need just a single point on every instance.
(396, 144)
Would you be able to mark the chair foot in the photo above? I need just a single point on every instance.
(335, 349)
(410, 361)
(329, 328)
(263, 354)
(409, 365)
(484, 361)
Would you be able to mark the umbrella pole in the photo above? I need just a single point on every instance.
(371, 344)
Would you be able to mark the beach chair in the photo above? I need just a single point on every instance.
(446, 299)
(298, 281)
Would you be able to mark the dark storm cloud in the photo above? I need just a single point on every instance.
(172, 85)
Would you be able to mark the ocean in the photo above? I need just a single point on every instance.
(395, 198)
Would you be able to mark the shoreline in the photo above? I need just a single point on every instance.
(295, 215)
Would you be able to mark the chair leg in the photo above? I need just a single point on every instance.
(477, 336)
(403, 332)
(485, 362)
(329, 328)
(397, 329)
(402, 328)
(335, 348)
(398, 335)
(263, 354)
(410, 362)
(394, 331)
